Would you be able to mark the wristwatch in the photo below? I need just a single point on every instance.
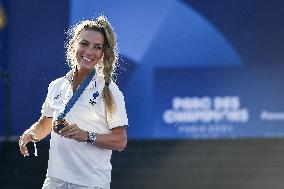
(91, 137)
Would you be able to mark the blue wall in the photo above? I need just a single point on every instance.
(36, 55)
(3, 63)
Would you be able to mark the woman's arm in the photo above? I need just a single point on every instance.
(116, 140)
(36, 132)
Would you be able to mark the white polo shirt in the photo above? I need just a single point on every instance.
(78, 162)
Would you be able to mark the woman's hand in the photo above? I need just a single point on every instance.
(74, 132)
(28, 136)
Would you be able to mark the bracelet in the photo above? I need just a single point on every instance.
(91, 137)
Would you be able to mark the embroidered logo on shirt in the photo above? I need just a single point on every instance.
(93, 101)
(57, 96)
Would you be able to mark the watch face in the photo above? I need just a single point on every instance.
(92, 137)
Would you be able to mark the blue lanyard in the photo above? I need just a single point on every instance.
(77, 94)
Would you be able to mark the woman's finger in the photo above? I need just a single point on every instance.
(24, 150)
(22, 145)
(66, 131)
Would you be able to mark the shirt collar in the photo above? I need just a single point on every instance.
(91, 85)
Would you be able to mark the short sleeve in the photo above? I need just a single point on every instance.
(119, 117)
(46, 110)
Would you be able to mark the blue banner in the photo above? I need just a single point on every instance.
(243, 101)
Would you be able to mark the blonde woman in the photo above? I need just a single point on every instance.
(84, 111)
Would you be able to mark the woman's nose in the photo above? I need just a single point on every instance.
(89, 51)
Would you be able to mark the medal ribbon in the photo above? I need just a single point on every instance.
(76, 95)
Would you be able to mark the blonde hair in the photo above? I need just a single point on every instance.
(110, 53)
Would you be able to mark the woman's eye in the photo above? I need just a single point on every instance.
(98, 47)
(83, 44)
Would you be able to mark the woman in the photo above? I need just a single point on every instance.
(84, 112)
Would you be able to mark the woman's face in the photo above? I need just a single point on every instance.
(89, 49)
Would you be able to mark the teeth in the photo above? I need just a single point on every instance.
(87, 59)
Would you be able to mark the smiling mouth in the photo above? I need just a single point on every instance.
(87, 59)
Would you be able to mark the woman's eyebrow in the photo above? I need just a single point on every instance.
(84, 40)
